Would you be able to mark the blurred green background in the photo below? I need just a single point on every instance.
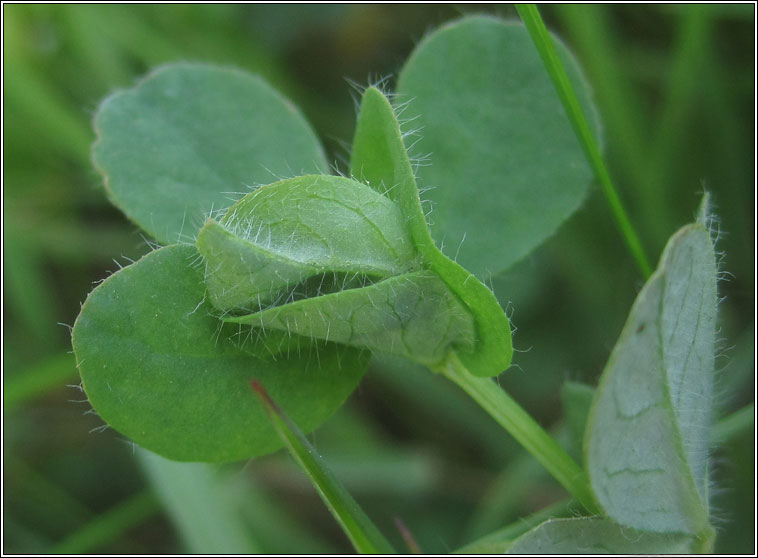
(675, 87)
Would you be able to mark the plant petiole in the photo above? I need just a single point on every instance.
(509, 414)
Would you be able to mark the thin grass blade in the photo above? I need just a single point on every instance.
(365, 536)
(533, 21)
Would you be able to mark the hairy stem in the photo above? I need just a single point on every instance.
(509, 414)
(110, 525)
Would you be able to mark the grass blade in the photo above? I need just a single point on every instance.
(110, 525)
(590, 32)
(533, 21)
(687, 72)
(364, 535)
(52, 373)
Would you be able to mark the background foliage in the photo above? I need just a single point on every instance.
(675, 87)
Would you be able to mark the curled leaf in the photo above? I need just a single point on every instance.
(380, 158)
(412, 315)
(318, 227)
(333, 259)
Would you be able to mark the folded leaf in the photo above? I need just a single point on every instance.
(189, 137)
(242, 275)
(160, 369)
(647, 435)
(380, 158)
(333, 259)
(413, 315)
(281, 234)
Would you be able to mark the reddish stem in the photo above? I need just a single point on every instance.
(410, 542)
(265, 398)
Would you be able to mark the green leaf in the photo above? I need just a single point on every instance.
(189, 138)
(648, 431)
(161, 370)
(282, 234)
(506, 169)
(590, 535)
(412, 315)
(364, 535)
(380, 158)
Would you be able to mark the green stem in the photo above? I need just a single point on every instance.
(504, 409)
(536, 27)
(591, 36)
